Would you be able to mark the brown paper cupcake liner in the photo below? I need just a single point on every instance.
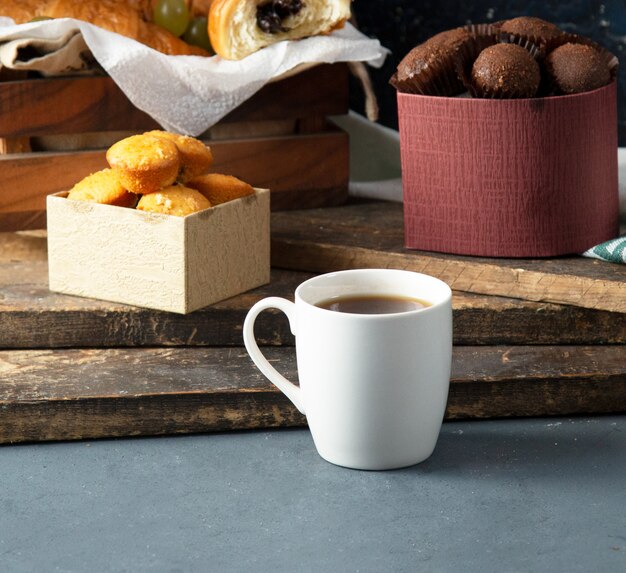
(463, 67)
(467, 56)
(439, 80)
(489, 30)
(532, 47)
(540, 33)
(542, 46)
(440, 77)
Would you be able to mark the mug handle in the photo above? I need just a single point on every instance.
(288, 388)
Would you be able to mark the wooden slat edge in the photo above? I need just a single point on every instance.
(465, 276)
(98, 104)
(495, 392)
(102, 325)
(26, 179)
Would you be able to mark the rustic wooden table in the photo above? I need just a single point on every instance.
(532, 338)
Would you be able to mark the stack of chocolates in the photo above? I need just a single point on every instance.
(523, 57)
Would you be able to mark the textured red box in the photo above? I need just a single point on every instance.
(509, 178)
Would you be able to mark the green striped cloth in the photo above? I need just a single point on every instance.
(613, 251)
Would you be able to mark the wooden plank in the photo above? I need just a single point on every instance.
(22, 247)
(80, 393)
(14, 145)
(22, 220)
(26, 179)
(33, 317)
(301, 171)
(33, 107)
(47, 106)
(293, 98)
(370, 234)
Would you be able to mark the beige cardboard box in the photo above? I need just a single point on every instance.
(176, 264)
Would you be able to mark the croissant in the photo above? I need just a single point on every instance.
(119, 16)
(238, 28)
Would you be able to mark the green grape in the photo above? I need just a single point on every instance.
(40, 18)
(197, 33)
(172, 15)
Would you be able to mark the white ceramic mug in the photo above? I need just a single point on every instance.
(373, 387)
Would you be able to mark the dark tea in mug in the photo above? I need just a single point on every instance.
(373, 304)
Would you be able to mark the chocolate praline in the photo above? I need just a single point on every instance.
(576, 68)
(505, 71)
(531, 27)
(429, 67)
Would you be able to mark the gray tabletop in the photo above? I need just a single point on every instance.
(507, 495)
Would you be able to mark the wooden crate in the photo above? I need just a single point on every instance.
(53, 132)
(181, 263)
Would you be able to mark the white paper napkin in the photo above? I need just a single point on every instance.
(189, 94)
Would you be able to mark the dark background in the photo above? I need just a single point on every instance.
(402, 24)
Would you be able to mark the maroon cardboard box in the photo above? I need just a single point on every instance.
(509, 178)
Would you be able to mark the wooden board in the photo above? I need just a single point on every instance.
(370, 234)
(33, 317)
(312, 171)
(142, 372)
(53, 132)
(86, 393)
(66, 105)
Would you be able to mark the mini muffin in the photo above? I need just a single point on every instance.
(506, 71)
(575, 68)
(195, 156)
(175, 200)
(144, 163)
(532, 28)
(102, 187)
(430, 68)
(218, 188)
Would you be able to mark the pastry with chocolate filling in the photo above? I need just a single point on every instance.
(429, 68)
(575, 68)
(505, 71)
(238, 28)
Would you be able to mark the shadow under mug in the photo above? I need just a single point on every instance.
(373, 387)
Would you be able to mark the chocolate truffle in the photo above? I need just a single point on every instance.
(429, 68)
(576, 68)
(505, 71)
(531, 28)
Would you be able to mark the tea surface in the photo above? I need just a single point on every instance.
(373, 304)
